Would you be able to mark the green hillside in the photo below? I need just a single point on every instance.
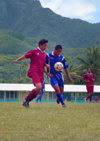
(15, 43)
(31, 19)
(12, 43)
(24, 22)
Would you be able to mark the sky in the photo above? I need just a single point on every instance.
(87, 10)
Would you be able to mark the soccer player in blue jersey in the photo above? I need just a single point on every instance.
(39, 98)
(56, 78)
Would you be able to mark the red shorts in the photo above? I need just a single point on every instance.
(37, 77)
(90, 88)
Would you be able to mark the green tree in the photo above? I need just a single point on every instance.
(22, 76)
(73, 71)
(91, 60)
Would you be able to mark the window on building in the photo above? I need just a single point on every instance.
(11, 95)
(16, 95)
(1, 95)
(7, 95)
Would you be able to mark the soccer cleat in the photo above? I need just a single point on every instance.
(25, 103)
(64, 105)
(57, 101)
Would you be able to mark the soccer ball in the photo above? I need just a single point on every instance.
(58, 66)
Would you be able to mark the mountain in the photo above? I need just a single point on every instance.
(31, 19)
(13, 43)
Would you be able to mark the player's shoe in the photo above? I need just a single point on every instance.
(57, 100)
(64, 105)
(25, 103)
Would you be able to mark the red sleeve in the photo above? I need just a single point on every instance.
(29, 54)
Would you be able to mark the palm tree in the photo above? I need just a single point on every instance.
(91, 60)
(73, 71)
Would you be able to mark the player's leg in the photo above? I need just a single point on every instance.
(91, 97)
(88, 97)
(39, 98)
(54, 83)
(37, 81)
(61, 85)
(32, 94)
(91, 92)
(88, 91)
(58, 93)
(61, 90)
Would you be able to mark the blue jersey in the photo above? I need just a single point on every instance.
(57, 75)
(51, 59)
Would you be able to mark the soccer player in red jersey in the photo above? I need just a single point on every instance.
(37, 58)
(88, 78)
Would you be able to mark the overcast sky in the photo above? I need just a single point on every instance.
(88, 10)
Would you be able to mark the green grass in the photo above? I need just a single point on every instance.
(49, 122)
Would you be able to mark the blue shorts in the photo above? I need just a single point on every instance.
(42, 90)
(55, 80)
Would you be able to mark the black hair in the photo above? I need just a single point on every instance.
(43, 41)
(58, 47)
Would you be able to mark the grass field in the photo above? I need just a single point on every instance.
(49, 122)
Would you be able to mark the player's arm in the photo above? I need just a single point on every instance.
(93, 78)
(47, 62)
(19, 59)
(68, 75)
(85, 79)
(48, 74)
(47, 66)
(29, 54)
(66, 70)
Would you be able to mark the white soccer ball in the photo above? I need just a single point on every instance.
(58, 66)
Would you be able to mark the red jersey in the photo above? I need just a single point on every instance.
(37, 60)
(89, 77)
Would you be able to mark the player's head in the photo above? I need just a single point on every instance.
(89, 70)
(43, 44)
(57, 50)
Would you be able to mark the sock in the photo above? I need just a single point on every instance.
(38, 98)
(31, 96)
(59, 96)
(90, 98)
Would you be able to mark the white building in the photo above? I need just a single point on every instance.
(16, 92)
